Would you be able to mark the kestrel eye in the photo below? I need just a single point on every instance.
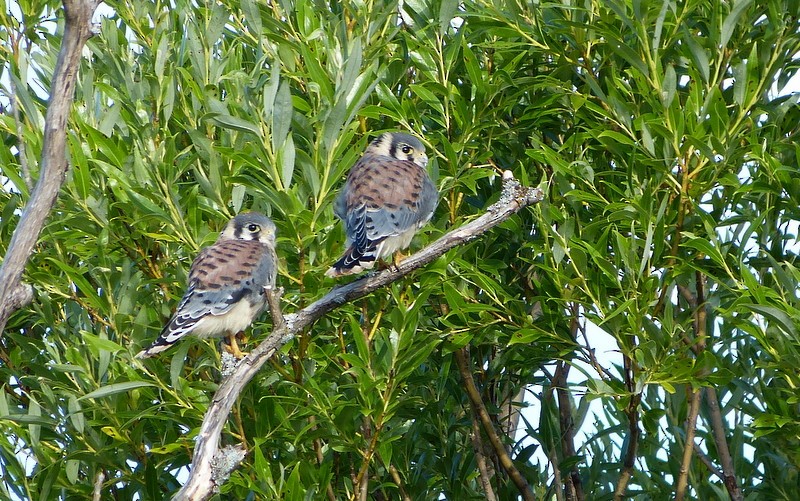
(252, 227)
(406, 149)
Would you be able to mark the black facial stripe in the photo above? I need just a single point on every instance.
(393, 149)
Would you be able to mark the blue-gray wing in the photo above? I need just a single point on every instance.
(221, 277)
(382, 198)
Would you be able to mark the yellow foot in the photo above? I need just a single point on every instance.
(398, 256)
(232, 347)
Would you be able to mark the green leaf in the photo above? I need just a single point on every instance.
(235, 123)
(732, 20)
(281, 115)
(781, 319)
(114, 389)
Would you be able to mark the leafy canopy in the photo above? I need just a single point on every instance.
(665, 139)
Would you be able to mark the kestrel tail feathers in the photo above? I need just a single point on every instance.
(226, 284)
(387, 197)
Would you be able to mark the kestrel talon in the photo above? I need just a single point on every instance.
(226, 285)
(387, 197)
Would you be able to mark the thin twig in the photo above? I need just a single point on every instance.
(707, 461)
(604, 373)
(718, 431)
(677, 232)
(552, 456)
(362, 478)
(480, 459)
(572, 483)
(200, 484)
(717, 423)
(53, 166)
(632, 413)
(509, 415)
(97, 491)
(629, 461)
(398, 481)
(483, 415)
(686, 462)
(320, 458)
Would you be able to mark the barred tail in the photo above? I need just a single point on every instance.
(354, 261)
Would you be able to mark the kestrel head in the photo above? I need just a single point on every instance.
(399, 146)
(250, 226)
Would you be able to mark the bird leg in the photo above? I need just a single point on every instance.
(397, 257)
(232, 346)
(384, 264)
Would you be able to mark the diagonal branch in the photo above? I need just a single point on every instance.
(688, 448)
(573, 487)
(632, 413)
(718, 430)
(53, 165)
(707, 461)
(483, 415)
(480, 459)
(200, 485)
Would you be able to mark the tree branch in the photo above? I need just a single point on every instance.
(480, 459)
(629, 460)
(707, 461)
(398, 481)
(572, 483)
(632, 413)
(200, 484)
(573, 490)
(717, 424)
(483, 415)
(53, 164)
(718, 430)
(688, 447)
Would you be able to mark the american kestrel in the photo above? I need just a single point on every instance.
(387, 197)
(226, 285)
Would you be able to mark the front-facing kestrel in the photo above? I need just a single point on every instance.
(387, 197)
(227, 283)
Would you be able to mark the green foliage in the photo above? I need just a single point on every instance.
(670, 158)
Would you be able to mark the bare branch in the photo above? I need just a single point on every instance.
(320, 458)
(509, 415)
(53, 165)
(707, 461)
(21, 296)
(480, 459)
(718, 430)
(97, 490)
(718, 427)
(629, 461)
(632, 413)
(274, 303)
(200, 484)
(688, 447)
(399, 482)
(483, 415)
(572, 482)
(552, 456)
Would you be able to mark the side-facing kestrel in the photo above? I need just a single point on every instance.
(226, 285)
(387, 197)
